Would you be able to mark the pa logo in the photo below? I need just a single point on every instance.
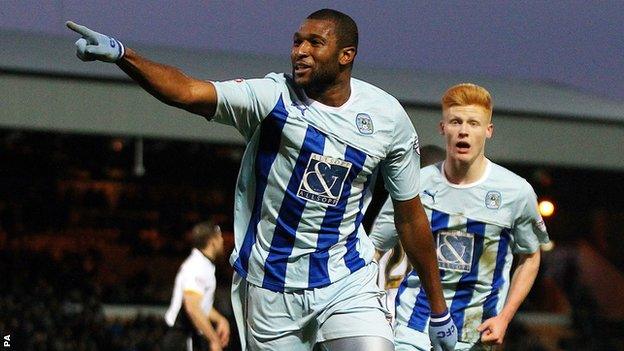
(493, 200)
(364, 123)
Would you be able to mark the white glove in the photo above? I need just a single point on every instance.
(442, 332)
(95, 46)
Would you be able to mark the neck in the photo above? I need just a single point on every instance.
(460, 173)
(334, 94)
(208, 253)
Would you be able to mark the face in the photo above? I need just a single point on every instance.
(315, 55)
(217, 242)
(465, 129)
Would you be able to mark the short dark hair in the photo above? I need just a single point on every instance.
(201, 233)
(346, 29)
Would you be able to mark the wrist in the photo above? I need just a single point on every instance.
(438, 319)
(121, 49)
(506, 316)
(440, 315)
(439, 308)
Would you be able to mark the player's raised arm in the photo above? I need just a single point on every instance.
(413, 229)
(168, 84)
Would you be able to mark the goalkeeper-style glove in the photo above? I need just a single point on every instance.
(442, 332)
(95, 46)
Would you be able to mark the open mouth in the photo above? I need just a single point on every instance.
(462, 146)
(301, 67)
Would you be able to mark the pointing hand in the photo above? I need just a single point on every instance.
(96, 46)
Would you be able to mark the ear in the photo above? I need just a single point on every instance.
(489, 131)
(347, 55)
(441, 127)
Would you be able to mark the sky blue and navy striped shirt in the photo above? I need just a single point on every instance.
(307, 175)
(477, 228)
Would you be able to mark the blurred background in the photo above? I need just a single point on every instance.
(100, 183)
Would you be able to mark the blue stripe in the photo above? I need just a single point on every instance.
(352, 257)
(329, 233)
(289, 215)
(489, 307)
(268, 147)
(402, 287)
(466, 284)
(421, 311)
(439, 221)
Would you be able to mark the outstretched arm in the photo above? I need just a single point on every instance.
(168, 84)
(493, 329)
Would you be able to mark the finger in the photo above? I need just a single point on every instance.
(487, 338)
(485, 325)
(82, 30)
(81, 46)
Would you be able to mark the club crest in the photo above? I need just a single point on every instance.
(364, 123)
(493, 200)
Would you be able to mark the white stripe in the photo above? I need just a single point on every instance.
(441, 319)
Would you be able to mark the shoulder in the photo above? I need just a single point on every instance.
(430, 172)
(509, 178)
(517, 189)
(274, 80)
(280, 78)
(378, 96)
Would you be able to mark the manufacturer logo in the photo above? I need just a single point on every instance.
(364, 123)
(493, 200)
(430, 194)
(112, 42)
(455, 249)
(302, 108)
(323, 179)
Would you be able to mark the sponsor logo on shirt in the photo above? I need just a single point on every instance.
(323, 179)
(493, 200)
(364, 123)
(455, 249)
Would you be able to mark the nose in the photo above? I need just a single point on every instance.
(303, 49)
(463, 129)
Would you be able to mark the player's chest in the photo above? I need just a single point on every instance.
(461, 242)
(307, 128)
(487, 205)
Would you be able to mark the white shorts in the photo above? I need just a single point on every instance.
(408, 339)
(299, 319)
